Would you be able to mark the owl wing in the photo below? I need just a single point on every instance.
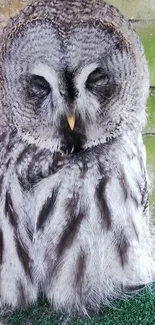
(92, 236)
(22, 167)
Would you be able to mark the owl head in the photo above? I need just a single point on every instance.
(72, 70)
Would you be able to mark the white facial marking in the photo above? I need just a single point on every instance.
(82, 77)
(48, 73)
(86, 102)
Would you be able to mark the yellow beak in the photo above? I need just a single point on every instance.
(71, 122)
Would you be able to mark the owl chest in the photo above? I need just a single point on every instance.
(21, 169)
(35, 164)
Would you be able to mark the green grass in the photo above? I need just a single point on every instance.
(139, 310)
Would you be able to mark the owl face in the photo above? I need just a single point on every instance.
(86, 70)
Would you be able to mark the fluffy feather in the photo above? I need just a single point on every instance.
(74, 212)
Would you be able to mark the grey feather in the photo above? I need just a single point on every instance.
(74, 211)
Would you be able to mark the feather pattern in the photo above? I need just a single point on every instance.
(74, 212)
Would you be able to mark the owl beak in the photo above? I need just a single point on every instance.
(71, 122)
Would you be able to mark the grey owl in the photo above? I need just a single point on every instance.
(74, 213)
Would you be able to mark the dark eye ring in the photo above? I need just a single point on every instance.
(96, 78)
(38, 86)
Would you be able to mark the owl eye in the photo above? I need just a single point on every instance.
(96, 79)
(38, 87)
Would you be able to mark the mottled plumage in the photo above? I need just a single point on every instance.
(74, 214)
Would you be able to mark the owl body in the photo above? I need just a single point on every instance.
(100, 243)
(74, 214)
(71, 238)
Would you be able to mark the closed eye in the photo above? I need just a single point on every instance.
(38, 86)
(97, 78)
